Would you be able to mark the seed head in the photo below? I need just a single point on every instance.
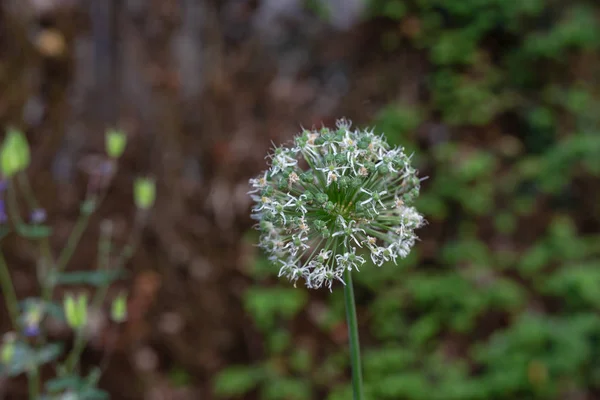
(331, 199)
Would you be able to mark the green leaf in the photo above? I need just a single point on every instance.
(4, 231)
(287, 389)
(50, 308)
(34, 231)
(57, 385)
(85, 388)
(93, 393)
(265, 305)
(25, 357)
(94, 278)
(49, 353)
(237, 380)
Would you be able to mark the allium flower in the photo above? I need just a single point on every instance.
(333, 198)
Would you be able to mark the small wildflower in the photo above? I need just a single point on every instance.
(38, 216)
(32, 318)
(331, 194)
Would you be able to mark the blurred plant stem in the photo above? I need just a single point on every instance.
(351, 320)
(10, 296)
(33, 383)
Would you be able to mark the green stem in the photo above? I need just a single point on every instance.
(73, 358)
(33, 383)
(72, 241)
(69, 249)
(357, 385)
(10, 296)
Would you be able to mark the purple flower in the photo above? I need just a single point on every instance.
(32, 319)
(38, 216)
(31, 330)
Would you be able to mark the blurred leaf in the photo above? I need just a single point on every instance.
(94, 278)
(287, 389)
(33, 231)
(25, 357)
(237, 380)
(266, 304)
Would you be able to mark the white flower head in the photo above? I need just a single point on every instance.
(334, 199)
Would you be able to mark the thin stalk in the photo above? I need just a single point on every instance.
(34, 383)
(73, 358)
(351, 320)
(33, 204)
(10, 296)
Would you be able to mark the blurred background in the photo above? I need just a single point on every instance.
(498, 99)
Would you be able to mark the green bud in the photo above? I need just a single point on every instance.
(14, 155)
(118, 311)
(383, 169)
(329, 207)
(328, 136)
(75, 310)
(302, 140)
(321, 198)
(282, 184)
(114, 143)
(144, 191)
(319, 224)
(309, 197)
(267, 191)
(306, 177)
(8, 348)
(356, 182)
(363, 143)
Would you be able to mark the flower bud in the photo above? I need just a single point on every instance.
(14, 155)
(118, 311)
(144, 193)
(115, 142)
(7, 351)
(76, 310)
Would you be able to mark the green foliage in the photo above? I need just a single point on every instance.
(266, 305)
(24, 356)
(26, 349)
(500, 300)
(237, 380)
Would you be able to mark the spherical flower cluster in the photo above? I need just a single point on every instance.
(333, 198)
